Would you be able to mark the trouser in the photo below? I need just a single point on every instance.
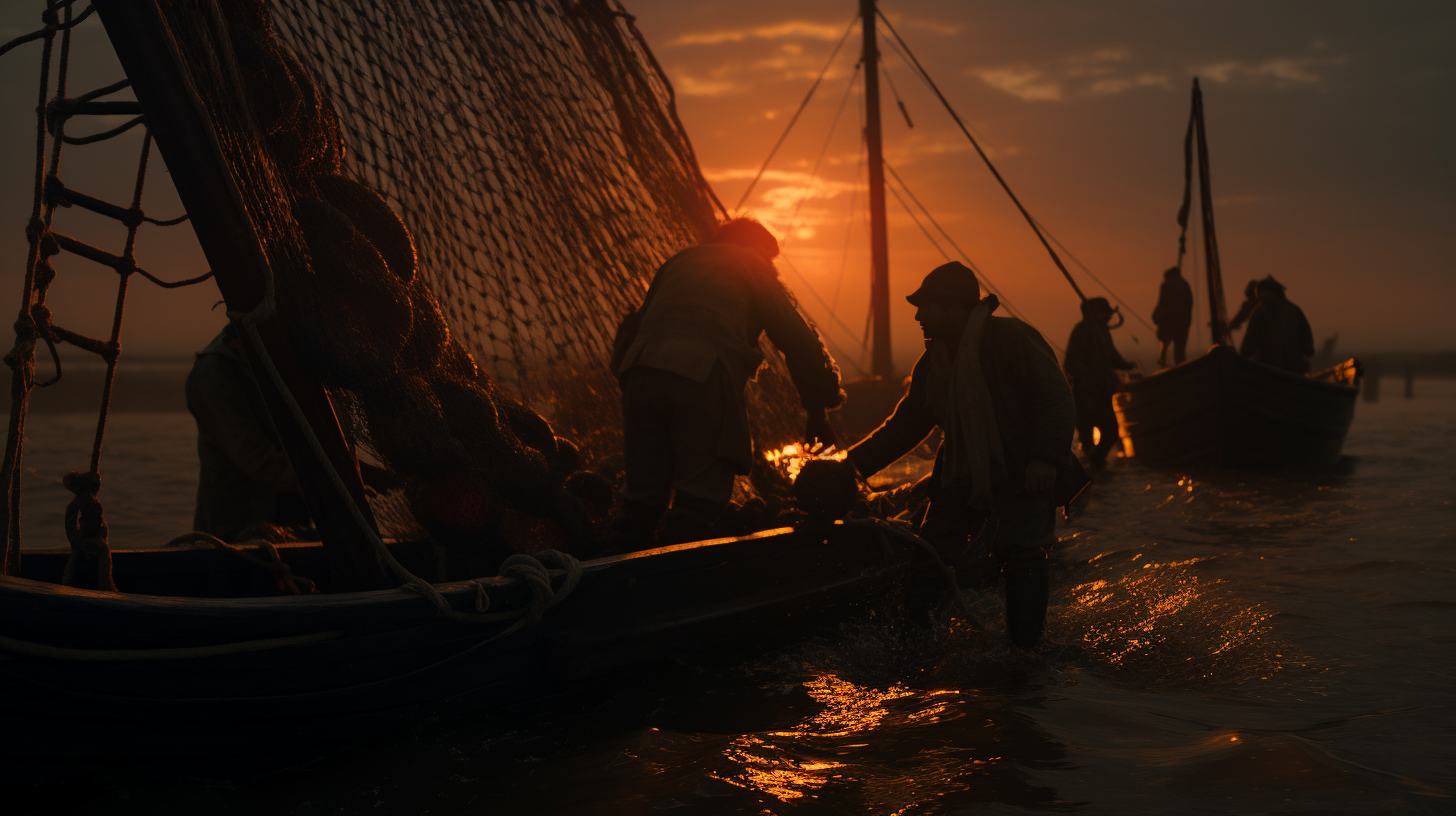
(1012, 545)
(671, 432)
(1095, 411)
(1179, 343)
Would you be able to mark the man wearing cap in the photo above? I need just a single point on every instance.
(1091, 365)
(1278, 334)
(683, 360)
(992, 385)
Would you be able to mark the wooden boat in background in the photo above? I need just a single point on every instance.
(1222, 408)
(1225, 409)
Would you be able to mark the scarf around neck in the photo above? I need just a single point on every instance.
(974, 461)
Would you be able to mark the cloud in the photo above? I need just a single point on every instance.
(1284, 72)
(1115, 70)
(790, 29)
(1024, 83)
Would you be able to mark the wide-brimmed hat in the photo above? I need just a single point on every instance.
(952, 281)
(1094, 304)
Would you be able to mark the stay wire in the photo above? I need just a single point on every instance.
(925, 77)
(814, 172)
(802, 105)
(1105, 287)
(980, 274)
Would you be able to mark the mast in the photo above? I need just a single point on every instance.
(1217, 311)
(882, 364)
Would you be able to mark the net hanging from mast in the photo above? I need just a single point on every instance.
(534, 151)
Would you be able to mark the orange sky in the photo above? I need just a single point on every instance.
(1330, 128)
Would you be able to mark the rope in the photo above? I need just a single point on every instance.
(795, 118)
(287, 582)
(987, 159)
(889, 530)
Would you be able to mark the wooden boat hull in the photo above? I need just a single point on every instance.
(385, 658)
(1225, 409)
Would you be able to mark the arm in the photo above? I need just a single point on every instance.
(811, 367)
(1252, 337)
(1075, 362)
(907, 427)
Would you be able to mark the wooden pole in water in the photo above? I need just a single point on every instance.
(882, 363)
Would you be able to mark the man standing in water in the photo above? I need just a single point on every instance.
(1173, 316)
(684, 359)
(992, 385)
(1278, 335)
(1091, 364)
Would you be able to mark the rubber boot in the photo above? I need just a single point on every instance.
(1027, 592)
(690, 519)
(634, 528)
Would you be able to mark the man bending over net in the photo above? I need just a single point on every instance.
(683, 360)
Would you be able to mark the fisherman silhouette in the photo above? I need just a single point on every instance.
(1173, 315)
(1278, 334)
(683, 359)
(1251, 301)
(993, 386)
(1091, 364)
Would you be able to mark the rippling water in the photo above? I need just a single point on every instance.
(1232, 644)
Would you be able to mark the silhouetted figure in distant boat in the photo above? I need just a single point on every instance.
(1278, 335)
(1251, 302)
(683, 359)
(1092, 363)
(245, 477)
(1173, 315)
(991, 384)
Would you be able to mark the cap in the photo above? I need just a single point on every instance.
(1093, 304)
(950, 281)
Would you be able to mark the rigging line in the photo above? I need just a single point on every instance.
(814, 173)
(964, 257)
(987, 159)
(895, 92)
(913, 217)
(853, 198)
(815, 293)
(812, 88)
(1105, 287)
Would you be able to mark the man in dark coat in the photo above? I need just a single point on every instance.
(1091, 364)
(1173, 315)
(245, 477)
(992, 385)
(1278, 335)
(683, 360)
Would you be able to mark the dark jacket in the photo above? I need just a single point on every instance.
(1033, 406)
(708, 306)
(1174, 312)
(244, 472)
(1279, 335)
(1092, 359)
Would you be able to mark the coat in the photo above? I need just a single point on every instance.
(1033, 406)
(1279, 335)
(709, 305)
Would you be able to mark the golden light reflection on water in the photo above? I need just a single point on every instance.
(849, 710)
(1163, 617)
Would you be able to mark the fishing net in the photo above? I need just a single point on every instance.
(480, 192)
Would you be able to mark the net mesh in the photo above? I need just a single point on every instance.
(523, 176)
